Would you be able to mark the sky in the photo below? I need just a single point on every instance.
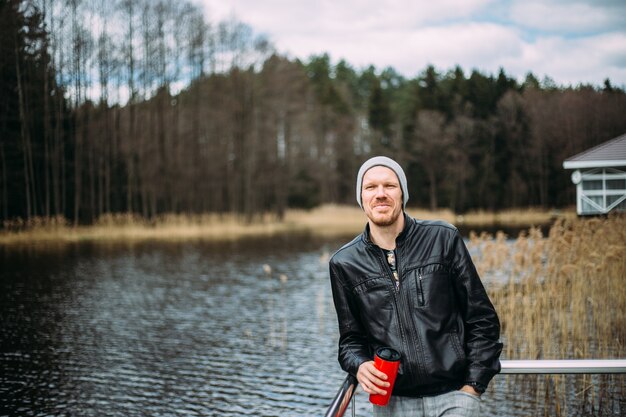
(571, 41)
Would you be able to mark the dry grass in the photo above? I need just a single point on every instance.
(334, 220)
(514, 217)
(327, 220)
(564, 297)
(133, 228)
(565, 291)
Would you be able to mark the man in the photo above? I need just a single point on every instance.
(412, 286)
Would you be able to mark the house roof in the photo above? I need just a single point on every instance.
(607, 154)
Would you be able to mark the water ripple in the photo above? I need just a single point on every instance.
(181, 330)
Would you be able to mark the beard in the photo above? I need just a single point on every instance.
(385, 219)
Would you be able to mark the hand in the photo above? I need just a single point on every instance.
(470, 390)
(371, 379)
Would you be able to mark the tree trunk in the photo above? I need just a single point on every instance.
(24, 134)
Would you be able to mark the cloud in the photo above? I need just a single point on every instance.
(476, 45)
(572, 62)
(572, 41)
(569, 16)
(314, 17)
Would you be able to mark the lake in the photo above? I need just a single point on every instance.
(181, 329)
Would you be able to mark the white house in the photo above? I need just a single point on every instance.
(600, 177)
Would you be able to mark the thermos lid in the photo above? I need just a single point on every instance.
(388, 354)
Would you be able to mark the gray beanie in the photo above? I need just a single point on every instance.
(386, 162)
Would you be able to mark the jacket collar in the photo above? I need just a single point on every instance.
(408, 224)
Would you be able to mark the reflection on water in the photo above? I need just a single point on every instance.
(162, 329)
(177, 329)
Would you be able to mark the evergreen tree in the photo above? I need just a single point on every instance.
(28, 99)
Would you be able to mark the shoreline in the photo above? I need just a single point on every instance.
(326, 221)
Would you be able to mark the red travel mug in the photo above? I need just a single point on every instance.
(386, 360)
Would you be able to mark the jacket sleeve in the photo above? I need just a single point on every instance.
(482, 326)
(353, 346)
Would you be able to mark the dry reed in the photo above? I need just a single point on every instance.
(561, 297)
(514, 217)
(327, 220)
(126, 227)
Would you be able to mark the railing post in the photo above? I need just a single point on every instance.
(353, 405)
(342, 399)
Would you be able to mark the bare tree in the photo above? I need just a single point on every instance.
(431, 149)
(458, 167)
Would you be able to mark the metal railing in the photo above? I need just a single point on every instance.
(343, 397)
(573, 366)
(512, 367)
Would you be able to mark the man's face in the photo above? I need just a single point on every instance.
(381, 196)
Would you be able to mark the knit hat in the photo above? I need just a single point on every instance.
(386, 162)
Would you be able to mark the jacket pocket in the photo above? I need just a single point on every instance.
(447, 360)
(431, 285)
(456, 344)
(374, 297)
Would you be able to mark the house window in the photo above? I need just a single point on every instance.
(594, 198)
(592, 185)
(618, 184)
(602, 190)
(610, 199)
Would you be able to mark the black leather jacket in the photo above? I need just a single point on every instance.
(440, 318)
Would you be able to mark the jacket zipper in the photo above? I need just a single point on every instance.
(404, 320)
(420, 289)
